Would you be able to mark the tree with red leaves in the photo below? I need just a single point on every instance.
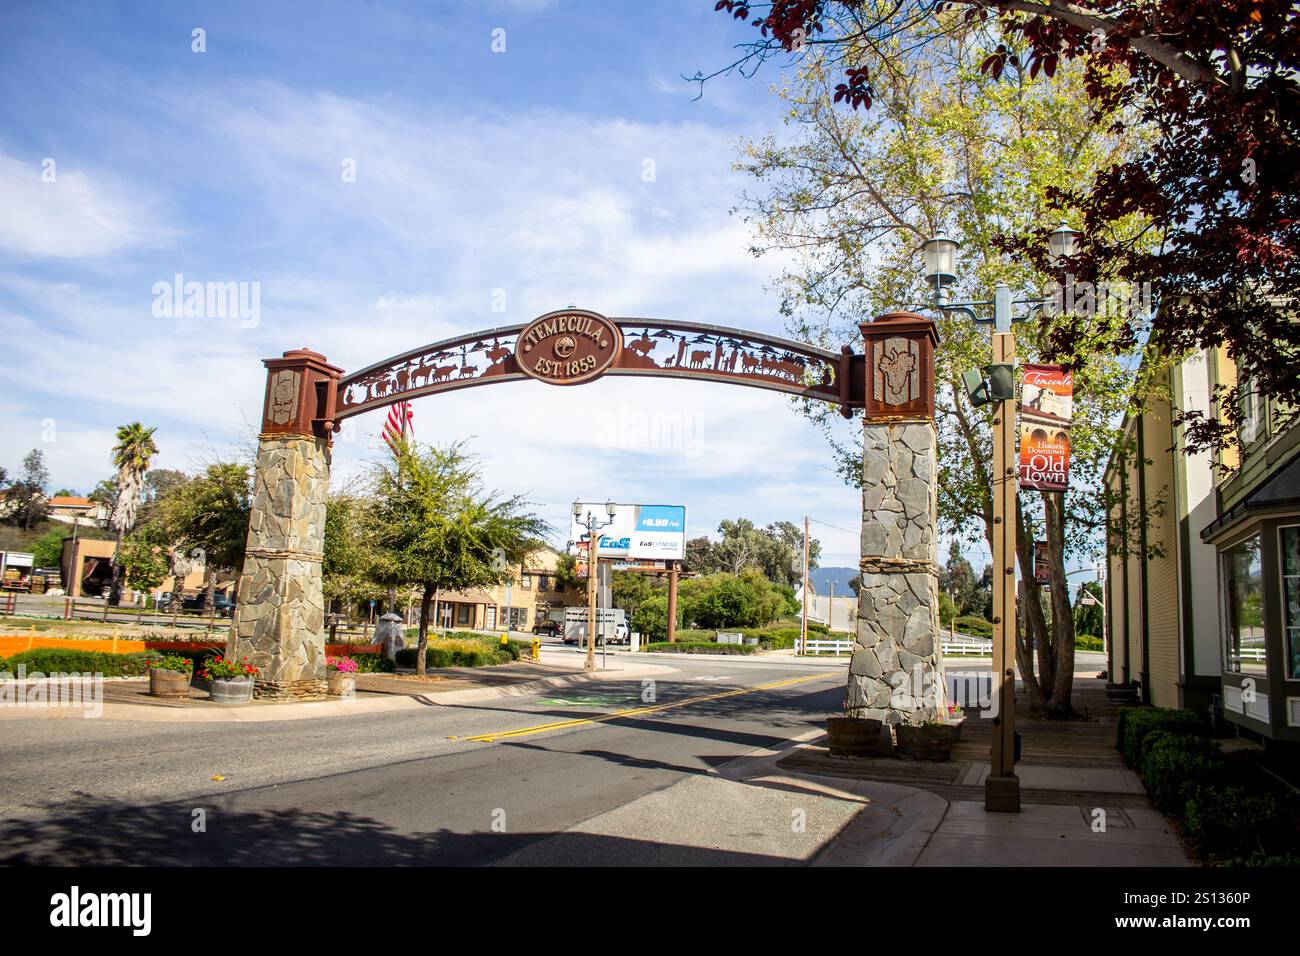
(1217, 82)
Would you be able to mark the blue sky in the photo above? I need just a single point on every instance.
(476, 171)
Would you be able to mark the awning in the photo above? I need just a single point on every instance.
(1280, 491)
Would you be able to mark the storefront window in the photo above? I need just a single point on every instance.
(1291, 598)
(1244, 586)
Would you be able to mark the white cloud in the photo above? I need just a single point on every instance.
(70, 214)
(447, 207)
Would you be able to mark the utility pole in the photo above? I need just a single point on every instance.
(672, 601)
(803, 622)
(1002, 788)
(592, 560)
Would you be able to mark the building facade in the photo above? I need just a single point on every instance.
(533, 593)
(1162, 621)
(1203, 577)
(1256, 536)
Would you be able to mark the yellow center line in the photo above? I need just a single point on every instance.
(638, 711)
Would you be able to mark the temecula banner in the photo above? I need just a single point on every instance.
(1047, 404)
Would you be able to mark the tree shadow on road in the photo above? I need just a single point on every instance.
(101, 833)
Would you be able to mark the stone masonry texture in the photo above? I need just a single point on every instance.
(896, 674)
(280, 621)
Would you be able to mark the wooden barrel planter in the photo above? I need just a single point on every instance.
(1122, 693)
(925, 743)
(342, 685)
(166, 683)
(853, 736)
(236, 691)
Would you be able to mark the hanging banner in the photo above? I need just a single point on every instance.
(1042, 573)
(1047, 404)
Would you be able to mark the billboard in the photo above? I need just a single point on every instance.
(654, 532)
(1045, 414)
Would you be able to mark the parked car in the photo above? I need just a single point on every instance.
(223, 606)
(547, 627)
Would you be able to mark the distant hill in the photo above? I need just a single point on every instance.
(822, 578)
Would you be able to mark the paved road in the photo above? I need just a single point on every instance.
(468, 784)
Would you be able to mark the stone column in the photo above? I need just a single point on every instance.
(896, 674)
(280, 619)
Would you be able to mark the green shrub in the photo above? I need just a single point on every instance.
(700, 647)
(52, 660)
(458, 655)
(1174, 766)
(1237, 821)
(1088, 642)
(817, 627)
(1135, 723)
(1262, 859)
(977, 626)
(374, 663)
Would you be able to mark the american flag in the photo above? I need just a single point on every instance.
(398, 427)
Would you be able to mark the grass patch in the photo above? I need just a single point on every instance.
(701, 647)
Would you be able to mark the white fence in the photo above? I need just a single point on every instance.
(820, 646)
(970, 648)
(973, 647)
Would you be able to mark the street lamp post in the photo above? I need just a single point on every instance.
(1002, 787)
(593, 525)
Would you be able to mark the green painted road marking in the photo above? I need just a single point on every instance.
(587, 700)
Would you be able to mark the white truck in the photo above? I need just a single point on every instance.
(611, 624)
(16, 570)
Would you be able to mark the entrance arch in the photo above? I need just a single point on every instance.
(280, 617)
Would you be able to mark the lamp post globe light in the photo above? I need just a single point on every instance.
(1062, 243)
(939, 255)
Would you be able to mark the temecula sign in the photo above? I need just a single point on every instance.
(568, 347)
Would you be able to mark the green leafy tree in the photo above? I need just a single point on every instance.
(566, 573)
(730, 600)
(47, 552)
(145, 556)
(651, 617)
(134, 450)
(1087, 617)
(28, 503)
(701, 556)
(850, 196)
(432, 524)
(630, 589)
(344, 566)
(206, 519)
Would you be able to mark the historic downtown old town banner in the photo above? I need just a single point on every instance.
(1047, 401)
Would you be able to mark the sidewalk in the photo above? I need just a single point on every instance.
(797, 806)
(376, 693)
(1072, 781)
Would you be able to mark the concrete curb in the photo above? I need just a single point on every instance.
(892, 828)
(323, 708)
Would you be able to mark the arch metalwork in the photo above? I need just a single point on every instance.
(648, 347)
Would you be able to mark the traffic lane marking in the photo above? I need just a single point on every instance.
(639, 711)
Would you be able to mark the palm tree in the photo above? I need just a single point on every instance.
(134, 450)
